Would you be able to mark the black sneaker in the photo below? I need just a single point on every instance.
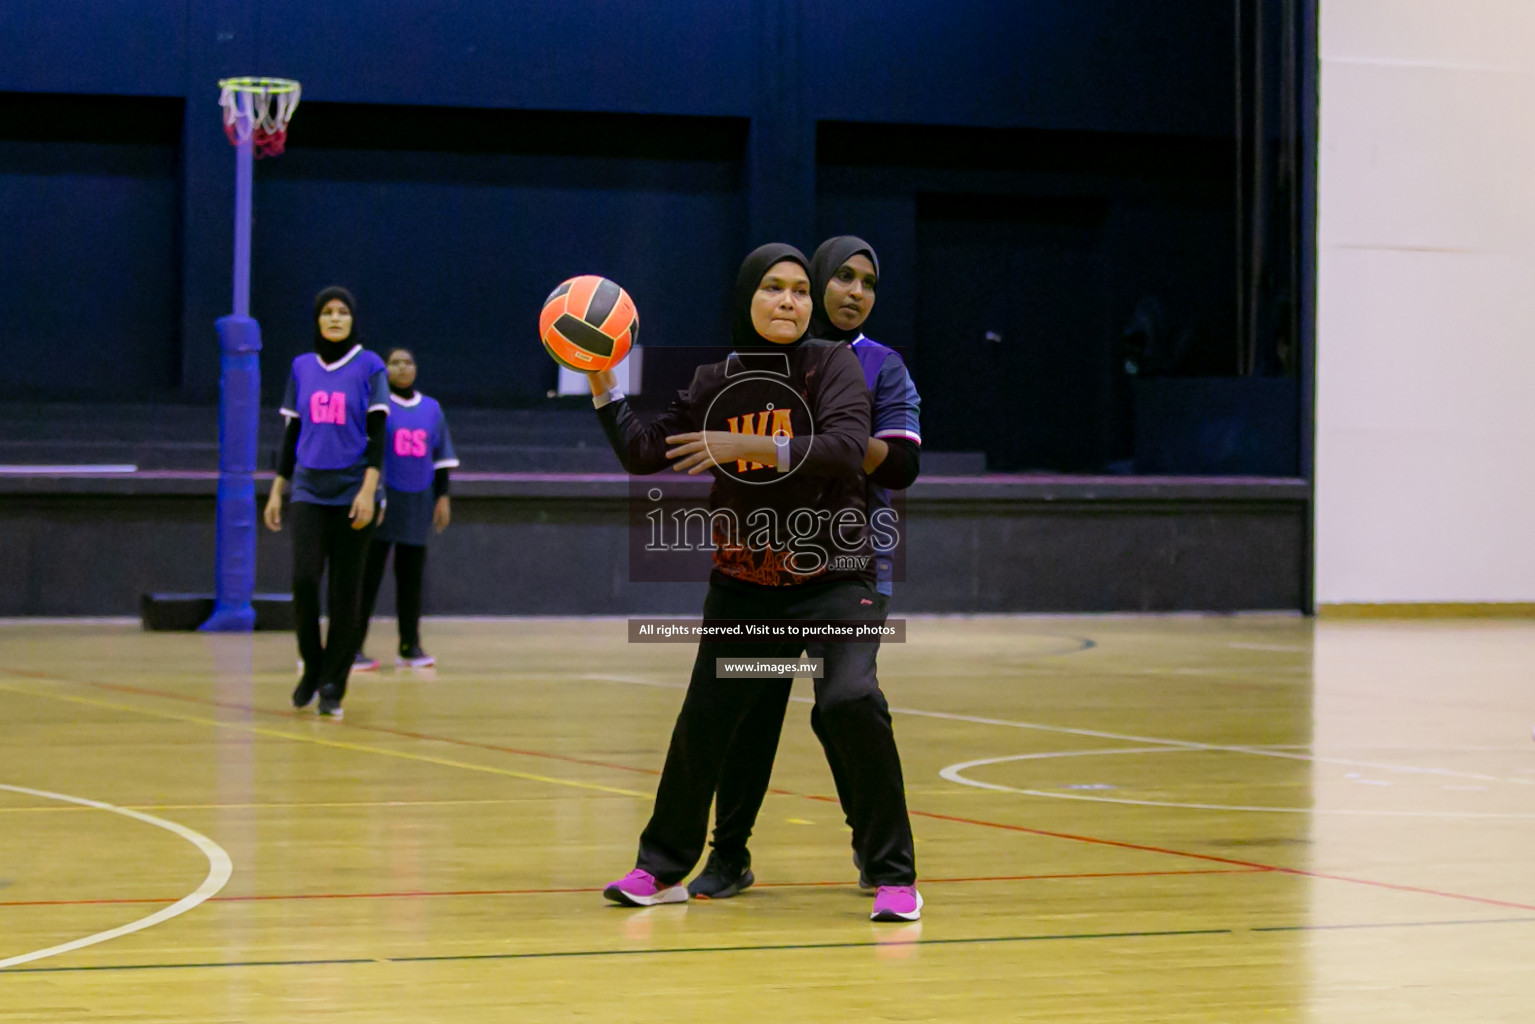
(304, 692)
(722, 877)
(414, 657)
(330, 707)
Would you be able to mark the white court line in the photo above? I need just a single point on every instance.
(74, 620)
(1399, 769)
(1282, 648)
(106, 468)
(953, 774)
(220, 867)
(636, 681)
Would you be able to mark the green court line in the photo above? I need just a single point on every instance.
(185, 966)
(1391, 924)
(770, 948)
(560, 954)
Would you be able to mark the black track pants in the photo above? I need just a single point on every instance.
(324, 542)
(409, 572)
(853, 720)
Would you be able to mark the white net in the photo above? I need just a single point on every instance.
(257, 107)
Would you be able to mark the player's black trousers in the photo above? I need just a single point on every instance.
(854, 722)
(409, 571)
(323, 539)
(748, 766)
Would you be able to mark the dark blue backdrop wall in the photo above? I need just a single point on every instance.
(451, 163)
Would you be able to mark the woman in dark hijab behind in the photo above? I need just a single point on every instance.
(417, 460)
(782, 425)
(844, 276)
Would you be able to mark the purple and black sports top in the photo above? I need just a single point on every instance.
(331, 401)
(417, 445)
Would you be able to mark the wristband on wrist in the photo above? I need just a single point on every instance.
(781, 445)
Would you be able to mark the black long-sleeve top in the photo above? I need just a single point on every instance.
(287, 455)
(901, 465)
(815, 392)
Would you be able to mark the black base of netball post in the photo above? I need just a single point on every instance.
(183, 613)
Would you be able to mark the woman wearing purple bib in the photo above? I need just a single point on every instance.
(418, 454)
(336, 407)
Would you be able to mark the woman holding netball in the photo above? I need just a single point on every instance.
(336, 407)
(807, 464)
(418, 455)
(844, 275)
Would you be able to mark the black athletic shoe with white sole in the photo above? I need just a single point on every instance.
(414, 657)
(303, 693)
(722, 877)
(329, 707)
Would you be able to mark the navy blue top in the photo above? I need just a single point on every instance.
(896, 414)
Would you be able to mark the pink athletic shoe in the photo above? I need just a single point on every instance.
(897, 903)
(640, 889)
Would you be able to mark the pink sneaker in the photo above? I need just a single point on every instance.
(640, 889)
(897, 903)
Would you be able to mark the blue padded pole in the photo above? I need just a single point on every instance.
(244, 161)
(239, 418)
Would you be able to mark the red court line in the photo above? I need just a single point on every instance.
(1095, 841)
(1092, 840)
(1409, 888)
(385, 730)
(421, 893)
(1298, 872)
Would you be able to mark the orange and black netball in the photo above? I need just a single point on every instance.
(588, 324)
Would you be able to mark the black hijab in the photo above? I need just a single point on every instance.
(330, 351)
(758, 262)
(830, 256)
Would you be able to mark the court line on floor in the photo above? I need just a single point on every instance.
(816, 797)
(1275, 868)
(350, 726)
(1258, 751)
(1162, 742)
(561, 891)
(284, 805)
(1276, 648)
(317, 741)
(954, 773)
(288, 716)
(220, 867)
(1093, 840)
(1390, 924)
(895, 940)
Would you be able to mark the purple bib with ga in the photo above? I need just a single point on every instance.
(332, 404)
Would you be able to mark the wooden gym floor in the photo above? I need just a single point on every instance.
(1118, 819)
